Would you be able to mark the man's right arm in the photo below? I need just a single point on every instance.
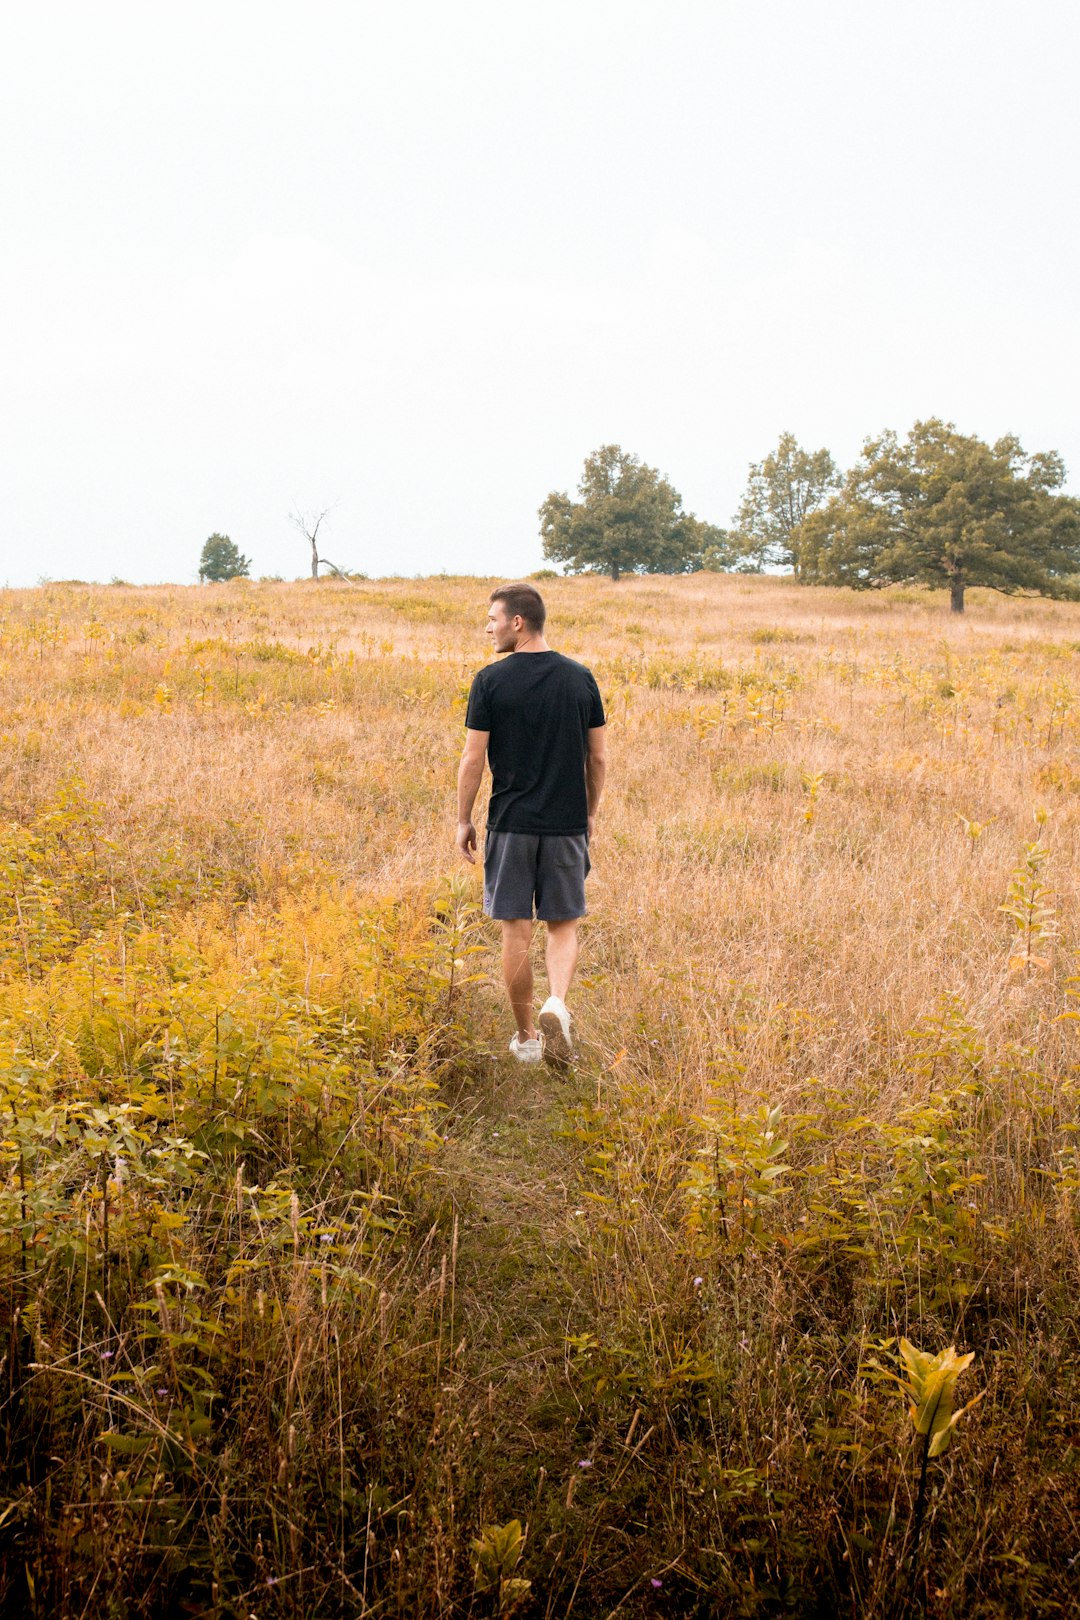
(470, 774)
(595, 770)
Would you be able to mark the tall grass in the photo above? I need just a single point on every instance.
(313, 1304)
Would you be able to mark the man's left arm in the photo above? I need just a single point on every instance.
(470, 775)
(595, 771)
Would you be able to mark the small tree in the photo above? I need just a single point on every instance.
(309, 527)
(222, 560)
(945, 509)
(782, 492)
(629, 520)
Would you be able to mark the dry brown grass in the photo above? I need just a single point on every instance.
(787, 908)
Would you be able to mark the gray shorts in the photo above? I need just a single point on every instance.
(548, 869)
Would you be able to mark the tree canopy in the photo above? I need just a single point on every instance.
(726, 552)
(945, 509)
(782, 492)
(629, 520)
(221, 559)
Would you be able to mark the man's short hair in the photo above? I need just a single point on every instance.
(522, 601)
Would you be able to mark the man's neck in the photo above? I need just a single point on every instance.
(532, 644)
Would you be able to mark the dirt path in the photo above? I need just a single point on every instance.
(513, 1175)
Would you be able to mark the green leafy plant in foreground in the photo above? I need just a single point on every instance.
(930, 1386)
(496, 1552)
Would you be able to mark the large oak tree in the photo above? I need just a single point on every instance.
(629, 520)
(945, 509)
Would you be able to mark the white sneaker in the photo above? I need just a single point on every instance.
(526, 1051)
(554, 1024)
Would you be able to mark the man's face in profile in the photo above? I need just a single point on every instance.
(500, 627)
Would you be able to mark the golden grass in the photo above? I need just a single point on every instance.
(817, 804)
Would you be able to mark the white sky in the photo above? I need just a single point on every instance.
(418, 260)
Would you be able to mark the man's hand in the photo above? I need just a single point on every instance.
(466, 841)
(592, 827)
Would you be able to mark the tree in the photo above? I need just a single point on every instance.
(629, 520)
(726, 552)
(309, 528)
(782, 492)
(946, 509)
(222, 560)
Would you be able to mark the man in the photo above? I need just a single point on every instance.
(538, 719)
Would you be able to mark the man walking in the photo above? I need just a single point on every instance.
(538, 720)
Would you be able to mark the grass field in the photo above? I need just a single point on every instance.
(314, 1304)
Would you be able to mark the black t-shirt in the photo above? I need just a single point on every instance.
(538, 709)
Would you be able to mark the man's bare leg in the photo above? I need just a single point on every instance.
(560, 955)
(518, 974)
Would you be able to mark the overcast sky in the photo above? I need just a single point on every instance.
(416, 261)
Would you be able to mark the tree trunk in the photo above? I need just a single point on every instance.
(314, 560)
(614, 570)
(956, 602)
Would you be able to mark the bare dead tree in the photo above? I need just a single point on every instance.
(309, 528)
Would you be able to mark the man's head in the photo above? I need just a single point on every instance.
(516, 614)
